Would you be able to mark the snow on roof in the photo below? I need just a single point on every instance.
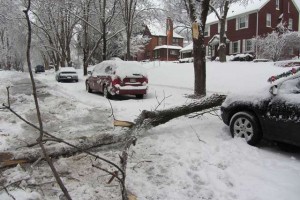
(297, 3)
(168, 47)
(187, 48)
(236, 9)
(158, 30)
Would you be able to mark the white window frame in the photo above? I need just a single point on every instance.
(277, 4)
(246, 47)
(290, 26)
(173, 52)
(238, 47)
(219, 26)
(207, 30)
(238, 22)
(269, 20)
(160, 41)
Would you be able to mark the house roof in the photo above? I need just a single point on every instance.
(158, 30)
(297, 3)
(238, 8)
(187, 48)
(167, 47)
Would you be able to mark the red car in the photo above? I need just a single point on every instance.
(113, 77)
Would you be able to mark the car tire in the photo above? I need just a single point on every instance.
(106, 93)
(245, 124)
(139, 96)
(88, 88)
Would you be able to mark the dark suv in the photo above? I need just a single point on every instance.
(273, 114)
(39, 68)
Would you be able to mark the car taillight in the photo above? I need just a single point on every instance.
(116, 81)
(145, 79)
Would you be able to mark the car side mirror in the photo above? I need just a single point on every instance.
(274, 90)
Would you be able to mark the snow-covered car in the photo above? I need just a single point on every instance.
(118, 78)
(66, 74)
(273, 114)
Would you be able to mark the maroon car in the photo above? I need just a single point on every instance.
(113, 77)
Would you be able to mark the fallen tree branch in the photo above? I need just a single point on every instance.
(148, 119)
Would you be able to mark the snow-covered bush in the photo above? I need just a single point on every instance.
(277, 46)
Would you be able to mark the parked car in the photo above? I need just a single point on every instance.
(114, 77)
(274, 114)
(39, 68)
(66, 74)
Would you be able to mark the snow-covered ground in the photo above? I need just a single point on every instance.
(168, 162)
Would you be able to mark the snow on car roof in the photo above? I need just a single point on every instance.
(67, 69)
(126, 68)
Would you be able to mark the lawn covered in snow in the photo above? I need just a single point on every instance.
(169, 162)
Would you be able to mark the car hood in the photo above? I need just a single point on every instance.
(254, 98)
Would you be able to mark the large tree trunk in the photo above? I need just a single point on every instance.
(222, 44)
(199, 45)
(146, 120)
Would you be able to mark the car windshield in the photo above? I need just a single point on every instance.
(68, 72)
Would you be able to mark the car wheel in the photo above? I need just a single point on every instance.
(245, 125)
(139, 96)
(88, 88)
(106, 93)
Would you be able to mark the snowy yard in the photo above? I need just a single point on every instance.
(168, 162)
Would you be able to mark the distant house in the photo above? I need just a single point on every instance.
(164, 45)
(244, 23)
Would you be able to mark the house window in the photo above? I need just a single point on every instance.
(235, 47)
(160, 41)
(206, 31)
(291, 51)
(290, 27)
(242, 22)
(156, 54)
(219, 27)
(173, 52)
(248, 45)
(277, 4)
(175, 41)
(269, 20)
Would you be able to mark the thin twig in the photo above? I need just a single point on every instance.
(9, 194)
(144, 161)
(160, 102)
(112, 110)
(198, 136)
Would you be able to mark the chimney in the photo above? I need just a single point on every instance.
(169, 31)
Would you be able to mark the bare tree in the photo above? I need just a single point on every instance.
(198, 11)
(40, 139)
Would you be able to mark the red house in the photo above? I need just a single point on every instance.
(244, 23)
(164, 45)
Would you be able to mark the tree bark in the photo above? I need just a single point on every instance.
(222, 44)
(199, 45)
